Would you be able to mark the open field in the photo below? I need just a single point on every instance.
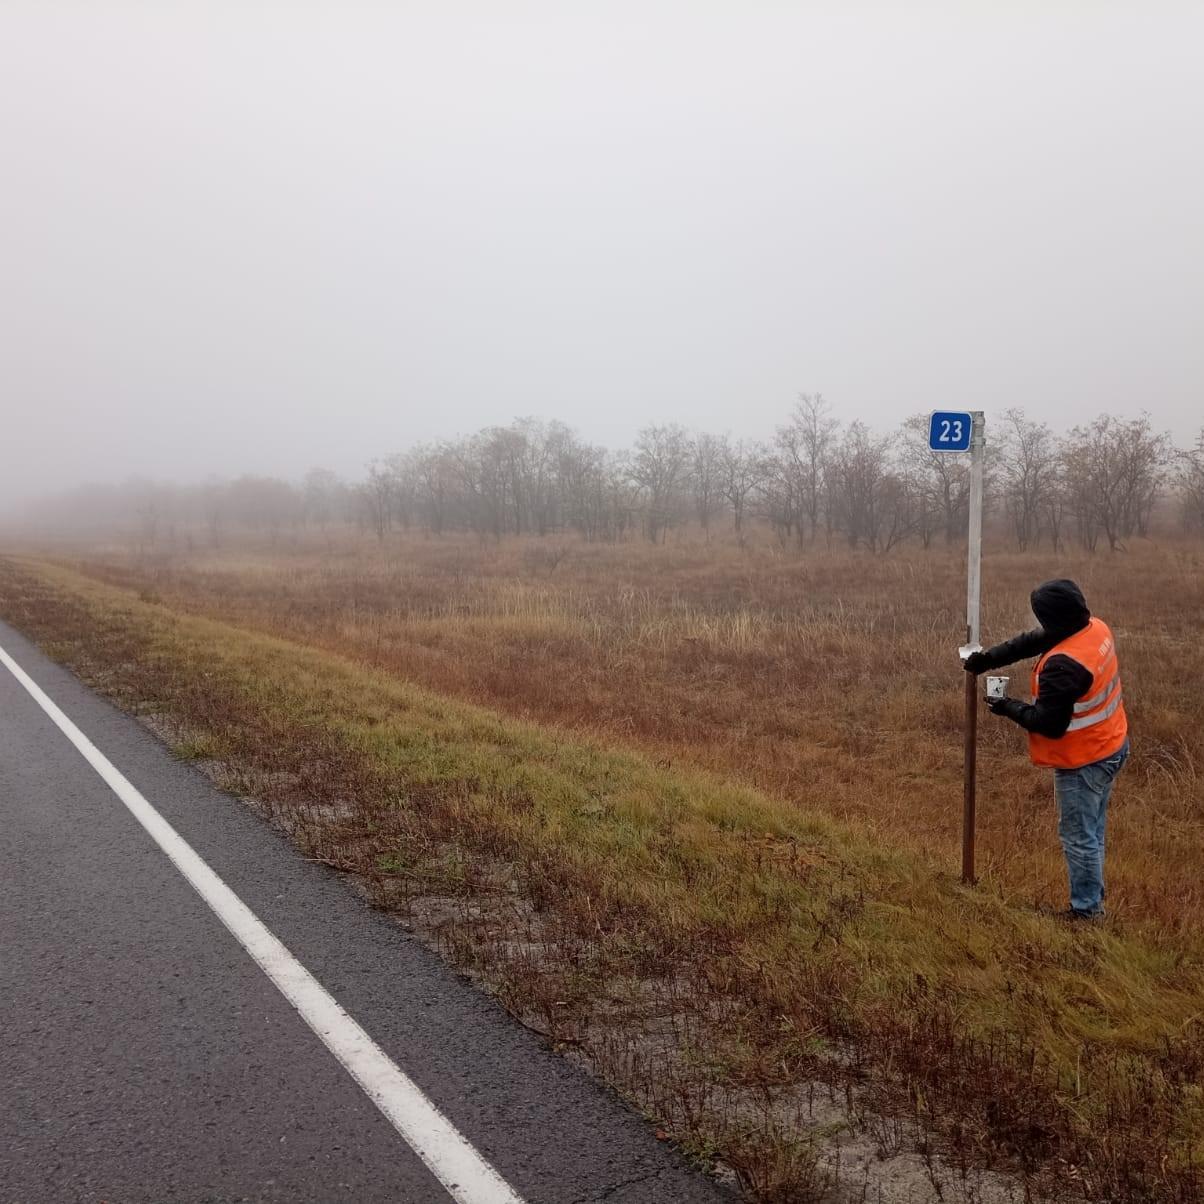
(712, 793)
(828, 680)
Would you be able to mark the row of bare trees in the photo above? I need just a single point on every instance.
(531, 477)
(818, 479)
(1106, 479)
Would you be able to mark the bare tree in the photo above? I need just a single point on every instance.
(1028, 456)
(804, 445)
(588, 480)
(431, 473)
(1189, 479)
(939, 482)
(1055, 503)
(555, 446)
(1114, 469)
(706, 473)
(377, 495)
(660, 466)
(870, 499)
(744, 467)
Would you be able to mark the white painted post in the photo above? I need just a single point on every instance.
(974, 566)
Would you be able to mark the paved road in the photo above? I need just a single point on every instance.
(145, 1056)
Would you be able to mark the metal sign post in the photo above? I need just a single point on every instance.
(959, 431)
(973, 611)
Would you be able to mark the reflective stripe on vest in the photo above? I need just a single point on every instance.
(1098, 727)
(1077, 725)
(1089, 703)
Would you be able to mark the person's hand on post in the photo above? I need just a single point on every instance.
(976, 663)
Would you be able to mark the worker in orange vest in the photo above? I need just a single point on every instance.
(1076, 726)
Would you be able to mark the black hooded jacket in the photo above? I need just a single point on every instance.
(1061, 610)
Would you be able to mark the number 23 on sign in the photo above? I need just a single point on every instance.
(950, 430)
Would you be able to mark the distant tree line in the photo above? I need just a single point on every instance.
(817, 480)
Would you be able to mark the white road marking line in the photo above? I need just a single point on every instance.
(469, 1179)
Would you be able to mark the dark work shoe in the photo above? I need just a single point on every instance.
(1073, 916)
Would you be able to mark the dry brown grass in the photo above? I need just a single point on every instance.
(826, 678)
(718, 952)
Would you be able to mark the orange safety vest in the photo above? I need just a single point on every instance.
(1099, 727)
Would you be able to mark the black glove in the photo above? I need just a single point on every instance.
(976, 663)
(998, 706)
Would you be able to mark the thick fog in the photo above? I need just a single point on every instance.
(260, 237)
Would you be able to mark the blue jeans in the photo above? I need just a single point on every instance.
(1082, 815)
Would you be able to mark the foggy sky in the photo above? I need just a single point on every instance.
(240, 237)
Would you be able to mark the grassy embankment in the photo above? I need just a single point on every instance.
(827, 679)
(715, 950)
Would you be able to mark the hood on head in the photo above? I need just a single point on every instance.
(1060, 607)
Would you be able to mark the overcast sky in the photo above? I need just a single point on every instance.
(257, 236)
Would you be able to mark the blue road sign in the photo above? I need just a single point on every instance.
(950, 430)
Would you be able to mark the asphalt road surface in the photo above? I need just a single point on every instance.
(148, 1051)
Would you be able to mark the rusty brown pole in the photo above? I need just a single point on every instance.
(969, 785)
